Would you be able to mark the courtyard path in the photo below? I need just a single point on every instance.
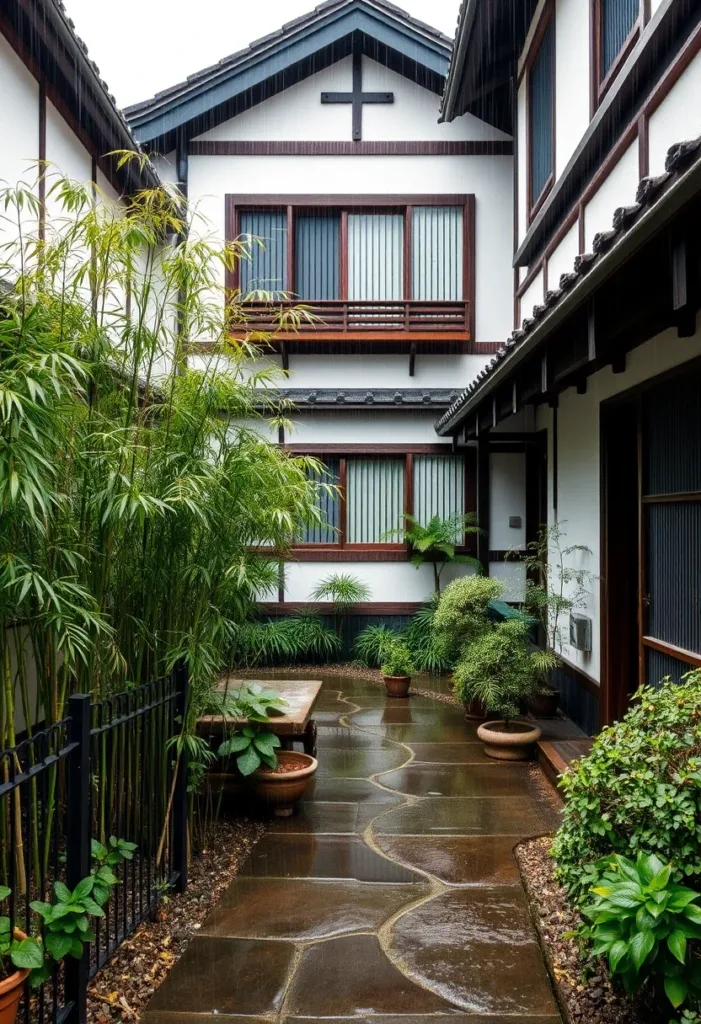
(393, 891)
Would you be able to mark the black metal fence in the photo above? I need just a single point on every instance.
(108, 769)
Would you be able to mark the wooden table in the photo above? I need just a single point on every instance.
(293, 724)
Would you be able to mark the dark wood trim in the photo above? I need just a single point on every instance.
(344, 254)
(367, 201)
(370, 449)
(408, 489)
(42, 162)
(555, 461)
(529, 279)
(547, 18)
(679, 653)
(323, 147)
(471, 495)
(291, 282)
(483, 511)
(581, 227)
(343, 507)
(507, 555)
(643, 146)
(349, 554)
(408, 243)
(581, 677)
(651, 499)
(469, 249)
(366, 608)
(642, 581)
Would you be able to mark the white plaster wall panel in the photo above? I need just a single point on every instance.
(617, 190)
(387, 581)
(578, 456)
(106, 188)
(19, 148)
(383, 371)
(678, 117)
(572, 37)
(65, 153)
(520, 422)
(298, 113)
(258, 425)
(507, 498)
(513, 576)
(522, 169)
(488, 178)
(562, 259)
(363, 427)
(533, 296)
(165, 166)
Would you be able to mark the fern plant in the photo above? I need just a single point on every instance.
(427, 652)
(437, 542)
(344, 592)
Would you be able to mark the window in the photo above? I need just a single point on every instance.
(376, 492)
(616, 24)
(541, 118)
(267, 268)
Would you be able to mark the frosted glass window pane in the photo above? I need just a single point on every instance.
(376, 256)
(375, 499)
(437, 253)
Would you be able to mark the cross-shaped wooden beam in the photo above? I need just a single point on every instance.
(357, 97)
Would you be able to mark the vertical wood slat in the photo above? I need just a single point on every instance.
(267, 270)
(344, 255)
(408, 490)
(42, 162)
(438, 253)
(343, 511)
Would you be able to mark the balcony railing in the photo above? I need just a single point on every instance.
(351, 319)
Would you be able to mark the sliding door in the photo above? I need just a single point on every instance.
(318, 256)
(437, 253)
(266, 270)
(376, 256)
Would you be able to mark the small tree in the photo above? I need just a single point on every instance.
(344, 591)
(437, 542)
(461, 615)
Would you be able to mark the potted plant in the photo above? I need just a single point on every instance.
(397, 668)
(554, 588)
(500, 670)
(437, 542)
(65, 925)
(460, 618)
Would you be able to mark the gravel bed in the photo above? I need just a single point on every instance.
(122, 988)
(585, 997)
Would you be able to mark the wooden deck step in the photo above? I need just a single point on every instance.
(555, 755)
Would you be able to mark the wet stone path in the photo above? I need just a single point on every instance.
(393, 891)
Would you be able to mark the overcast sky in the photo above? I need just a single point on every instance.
(142, 46)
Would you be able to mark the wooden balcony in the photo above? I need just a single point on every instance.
(400, 320)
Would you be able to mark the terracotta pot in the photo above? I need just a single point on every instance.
(475, 711)
(282, 790)
(515, 743)
(11, 990)
(397, 686)
(544, 705)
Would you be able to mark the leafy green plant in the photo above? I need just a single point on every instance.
(499, 669)
(252, 747)
(371, 643)
(66, 919)
(284, 640)
(344, 592)
(397, 660)
(461, 615)
(420, 636)
(639, 788)
(645, 924)
(437, 542)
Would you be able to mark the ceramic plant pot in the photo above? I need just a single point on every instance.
(281, 787)
(11, 990)
(475, 711)
(515, 742)
(544, 705)
(397, 686)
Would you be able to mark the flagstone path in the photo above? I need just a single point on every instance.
(393, 891)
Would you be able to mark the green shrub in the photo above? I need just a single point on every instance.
(645, 925)
(638, 789)
(397, 660)
(499, 669)
(420, 637)
(461, 614)
(283, 640)
(371, 643)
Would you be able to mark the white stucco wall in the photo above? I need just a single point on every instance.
(562, 259)
(533, 296)
(678, 117)
(617, 190)
(388, 581)
(19, 119)
(579, 461)
(360, 426)
(507, 497)
(572, 43)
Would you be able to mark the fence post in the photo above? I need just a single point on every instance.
(78, 842)
(180, 798)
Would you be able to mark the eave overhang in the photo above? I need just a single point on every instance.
(299, 49)
(320, 399)
(658, 202)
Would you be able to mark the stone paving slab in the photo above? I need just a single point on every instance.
(310, 856)
(457, 860)
(479, 953)
(392, 896)
(301, 910)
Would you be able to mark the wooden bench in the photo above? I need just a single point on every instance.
(293, 725)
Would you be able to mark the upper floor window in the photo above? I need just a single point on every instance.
(615, 29)
(541, 118)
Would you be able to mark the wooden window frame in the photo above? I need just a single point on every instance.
(345, 204)
(600, 86)
(547, 19)
(381, 551)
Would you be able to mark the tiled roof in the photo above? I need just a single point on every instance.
(273, 38)
(651, 191)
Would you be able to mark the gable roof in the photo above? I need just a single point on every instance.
(297, 50)
(45, 39)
